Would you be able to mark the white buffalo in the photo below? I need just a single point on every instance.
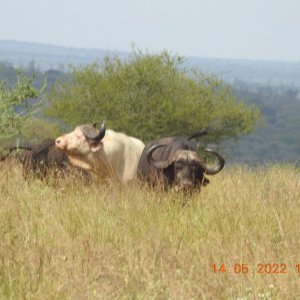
(106, 153)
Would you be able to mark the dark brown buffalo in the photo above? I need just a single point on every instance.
(43, 157)
(174, 161)
(38, 159)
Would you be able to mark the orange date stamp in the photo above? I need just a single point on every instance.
(261, 268)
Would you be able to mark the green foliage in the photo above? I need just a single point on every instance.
(279, 139)
(14, 106)
(36, 129)
(151, 95)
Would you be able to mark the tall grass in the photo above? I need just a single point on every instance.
(72, 240)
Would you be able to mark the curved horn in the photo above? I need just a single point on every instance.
(197, 134)
(101, 133)
(155, 163)
(216, 169)
(92, 133)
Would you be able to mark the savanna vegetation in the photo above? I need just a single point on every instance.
(14, 106)
(22, 99)
(149, 96)
(276, 139)
(66, 240)
(146, 96)
(279, 138)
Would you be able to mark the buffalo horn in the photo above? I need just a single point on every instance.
(101, 133)
(92, 134)
(157, 164)
(197, 134)
(218, 167)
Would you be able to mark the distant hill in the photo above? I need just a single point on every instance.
(270, 73)
(45, 57)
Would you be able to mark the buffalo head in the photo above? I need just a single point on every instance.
(82, 145)
(184, 168)
(83, 140)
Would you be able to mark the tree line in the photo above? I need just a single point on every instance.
(146, 95)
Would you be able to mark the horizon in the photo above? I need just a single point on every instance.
(251, 30)
(49, 45)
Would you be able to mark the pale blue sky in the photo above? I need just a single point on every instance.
(242, 29)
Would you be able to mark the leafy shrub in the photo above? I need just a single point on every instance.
(15, 108)
(151, 95)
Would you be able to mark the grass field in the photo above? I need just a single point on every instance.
(70, 240)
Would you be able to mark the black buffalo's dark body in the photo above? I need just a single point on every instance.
(38, 159)
(44, 156)
(174, 161)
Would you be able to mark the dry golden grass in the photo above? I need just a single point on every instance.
(70, 240)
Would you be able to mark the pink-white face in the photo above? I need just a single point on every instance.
(78, 143)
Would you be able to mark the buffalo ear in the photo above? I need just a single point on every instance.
(205, 181)
(96, 146)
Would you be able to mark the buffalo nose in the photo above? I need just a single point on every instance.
(59, 144)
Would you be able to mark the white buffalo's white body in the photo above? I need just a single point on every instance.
(115, 156)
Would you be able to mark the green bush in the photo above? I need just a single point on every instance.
(151, 95)
(36, 130)
(14, 106)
